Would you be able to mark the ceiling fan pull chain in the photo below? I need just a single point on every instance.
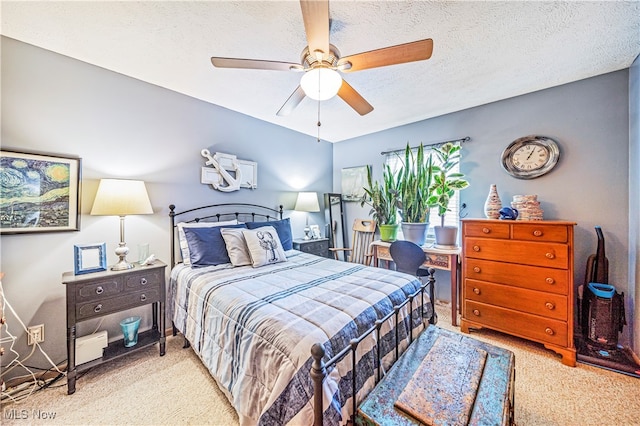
(319, 124)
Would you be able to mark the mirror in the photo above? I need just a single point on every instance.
(334, 217)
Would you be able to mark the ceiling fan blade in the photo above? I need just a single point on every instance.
(255, 64)
(399, 54)
(296, 97)
(354, 99)
(315, 14)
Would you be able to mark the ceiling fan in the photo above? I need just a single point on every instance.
(321, 60)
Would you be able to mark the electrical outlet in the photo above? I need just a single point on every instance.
(35, 334)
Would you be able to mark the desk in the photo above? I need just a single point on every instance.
(445, 259)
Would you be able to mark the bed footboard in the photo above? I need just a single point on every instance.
(319, 368)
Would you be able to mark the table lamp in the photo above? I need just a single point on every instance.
(121, 197)
(307, 202)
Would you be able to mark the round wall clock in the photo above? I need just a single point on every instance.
(530, 157)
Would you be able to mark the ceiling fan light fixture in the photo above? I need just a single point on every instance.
(321, 83)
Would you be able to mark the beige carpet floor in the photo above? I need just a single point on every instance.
(145, 389)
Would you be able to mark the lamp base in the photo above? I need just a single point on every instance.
(122, 264)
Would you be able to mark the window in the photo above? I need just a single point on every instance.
(395, 160)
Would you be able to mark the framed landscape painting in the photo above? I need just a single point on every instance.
(38, 192)
(353, 181)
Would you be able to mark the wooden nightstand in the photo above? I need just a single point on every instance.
(102, 293)
(319, 246)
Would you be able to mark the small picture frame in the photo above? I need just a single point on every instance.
(315, 231)
(89, 258)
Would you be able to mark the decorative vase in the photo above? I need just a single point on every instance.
(415, 232)
(493, 204)
(446, 236)
(389, 233)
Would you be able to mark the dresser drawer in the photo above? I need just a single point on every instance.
(534, 302)
(540, 232)
(98, 289)
(116, 304)
(550, 255)
(145, 279)
(545, 330)
(532, 277)
(486, 229)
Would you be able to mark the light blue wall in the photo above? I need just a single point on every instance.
(590, 185)
(122, 127)
(634, 199)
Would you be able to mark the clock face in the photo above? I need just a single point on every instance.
(530, 157)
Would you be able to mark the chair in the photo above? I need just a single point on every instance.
(409, 258)
(359, 252)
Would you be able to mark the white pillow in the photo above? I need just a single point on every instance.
(236, 246)
(264, 246)
(182, 238)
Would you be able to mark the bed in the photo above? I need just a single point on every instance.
(254, 325)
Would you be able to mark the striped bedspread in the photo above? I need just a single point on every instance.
(253, 328)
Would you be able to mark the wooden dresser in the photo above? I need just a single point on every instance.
(517, 278)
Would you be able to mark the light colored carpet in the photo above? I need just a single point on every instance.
(145, 389)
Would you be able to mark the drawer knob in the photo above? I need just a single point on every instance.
(476, 290)
(549, 331)
(476, 248)
(143, 297)
(550, 255)
(476, 269)
(550, 280)
(98, 308)
(99, 290)
(143, 281)
(537, 233)
(476, 312)
(550, 306)
(486, 230)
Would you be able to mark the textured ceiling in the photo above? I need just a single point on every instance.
(483, 51)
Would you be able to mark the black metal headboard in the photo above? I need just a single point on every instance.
(216, 213)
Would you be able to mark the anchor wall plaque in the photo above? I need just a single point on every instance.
(227, 173)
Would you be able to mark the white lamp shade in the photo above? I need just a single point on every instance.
(321, 84)
(307, 202)
(121, 197)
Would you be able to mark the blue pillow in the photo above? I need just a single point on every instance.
(206, 245)
(283, 228)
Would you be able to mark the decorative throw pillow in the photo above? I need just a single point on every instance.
(264, 246)
(236, 246)
(182, 238)
(206, 245)
(283, 227)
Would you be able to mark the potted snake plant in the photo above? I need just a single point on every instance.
(383, 199)
(445, 183)
(415, 186)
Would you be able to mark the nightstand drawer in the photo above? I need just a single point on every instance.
(142, 280)
(116, 304)
(319, 247)
(99, 289)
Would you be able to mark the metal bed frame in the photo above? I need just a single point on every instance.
(319, 368)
